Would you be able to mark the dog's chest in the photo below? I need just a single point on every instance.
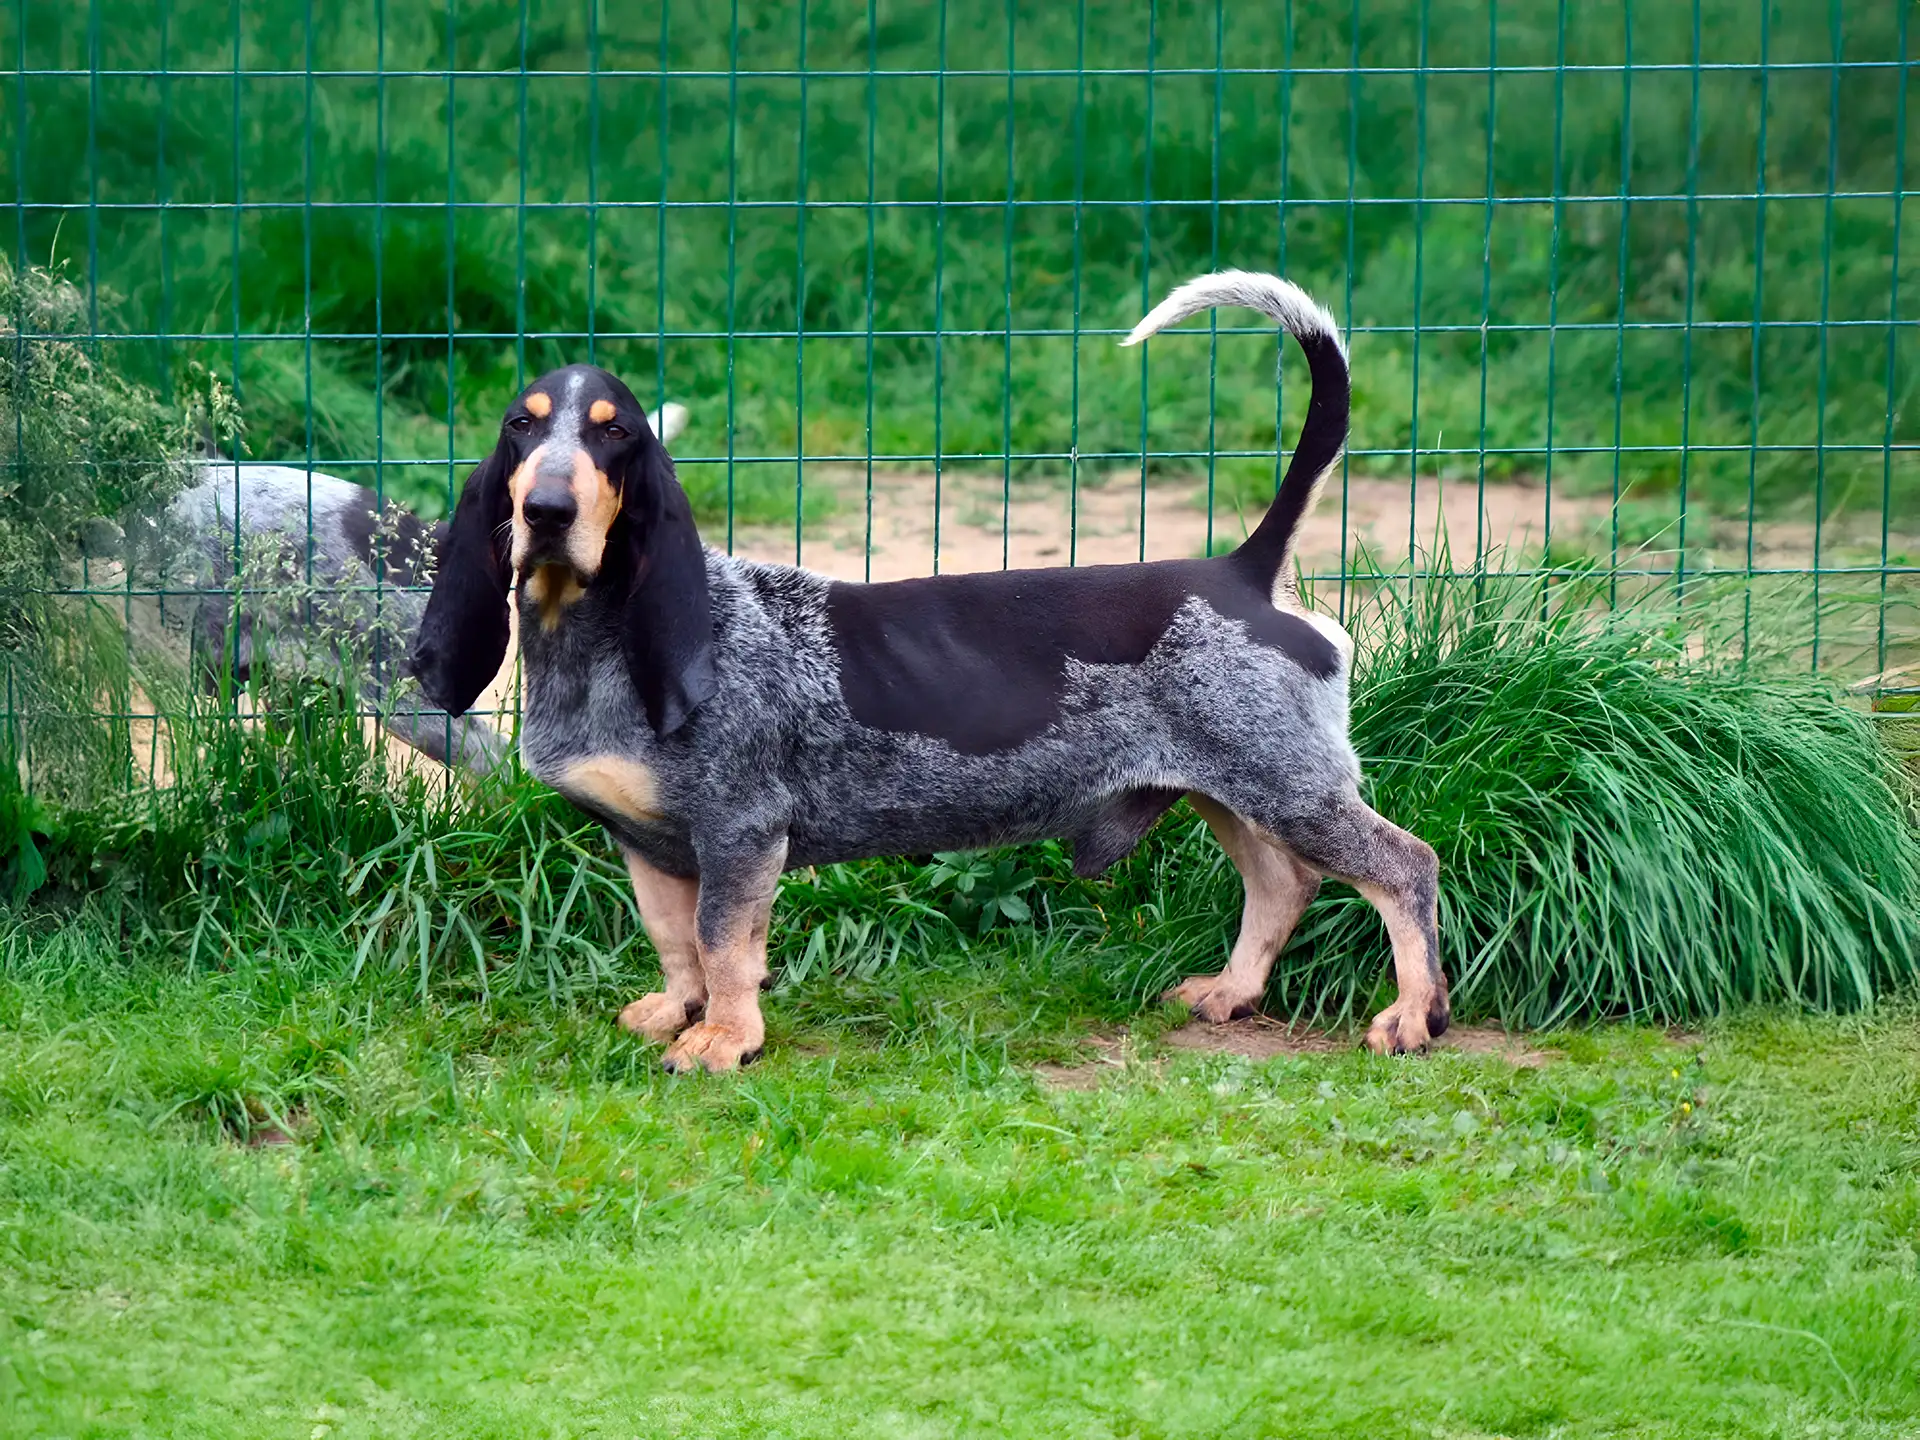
(584, 733)
(611, 787)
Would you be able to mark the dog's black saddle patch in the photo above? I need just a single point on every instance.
(979, 661)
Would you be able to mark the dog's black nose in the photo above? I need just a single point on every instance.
(549, 509)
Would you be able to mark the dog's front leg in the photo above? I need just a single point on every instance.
(668, 906)
(737, 884)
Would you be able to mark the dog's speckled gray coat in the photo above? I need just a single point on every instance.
(777, 751)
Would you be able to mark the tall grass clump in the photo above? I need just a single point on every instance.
(1622, 830)
(293, 830)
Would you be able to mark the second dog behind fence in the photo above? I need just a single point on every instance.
(302, 573)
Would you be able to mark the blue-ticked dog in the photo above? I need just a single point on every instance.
(727, 720)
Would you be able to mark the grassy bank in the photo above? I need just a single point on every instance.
(1001, 208)
(496, 1218)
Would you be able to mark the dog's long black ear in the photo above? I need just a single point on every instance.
(463, 635)
(669, 619)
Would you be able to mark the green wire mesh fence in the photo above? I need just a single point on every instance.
(1625, 283)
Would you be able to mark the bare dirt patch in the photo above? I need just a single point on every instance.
(1109, 520)
(986, 524)
(1090, 1074)
(1261, 1038)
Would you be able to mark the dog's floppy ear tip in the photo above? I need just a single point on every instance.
(677, 703)
(430, 672)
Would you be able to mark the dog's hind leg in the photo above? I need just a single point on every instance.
(464, 740)
(737, 887)
(1278, 888)
(669, 906)
(1400, 875)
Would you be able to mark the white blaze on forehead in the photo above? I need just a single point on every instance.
(567, 423)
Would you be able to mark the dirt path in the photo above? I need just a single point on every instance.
(1046, 524)
(1260, 1037)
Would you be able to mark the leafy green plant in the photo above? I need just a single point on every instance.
(983, 889)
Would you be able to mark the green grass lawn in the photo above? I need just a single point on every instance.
(505, 1220)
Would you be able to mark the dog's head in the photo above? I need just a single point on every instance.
(577, 495)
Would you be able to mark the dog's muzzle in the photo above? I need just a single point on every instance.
(550, 507)
(549, 510)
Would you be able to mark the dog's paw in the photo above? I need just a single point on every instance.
(1404, 1027)
(1210, 1000)
(657, 1017)
(711, 1047)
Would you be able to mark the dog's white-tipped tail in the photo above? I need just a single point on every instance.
(1324, 433)
(1281, 301)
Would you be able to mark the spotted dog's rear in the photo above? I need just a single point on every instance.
(726, 719)
(313, 575)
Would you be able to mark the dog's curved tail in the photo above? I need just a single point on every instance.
(1270, 548)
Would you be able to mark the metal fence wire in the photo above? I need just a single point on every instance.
(1625, 283)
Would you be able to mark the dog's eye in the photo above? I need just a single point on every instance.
(520, 424)
(616, 432)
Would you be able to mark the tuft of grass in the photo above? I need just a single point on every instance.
(1624, 829)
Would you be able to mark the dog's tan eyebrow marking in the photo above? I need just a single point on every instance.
(600, 412)
(539, 404)
(613, 783)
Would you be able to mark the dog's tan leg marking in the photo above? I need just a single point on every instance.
(612, 782)
(1279, 888)
(733, 962)
(1341, 837)
(1420, 1011)
(668, 907)
(1400, 876)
